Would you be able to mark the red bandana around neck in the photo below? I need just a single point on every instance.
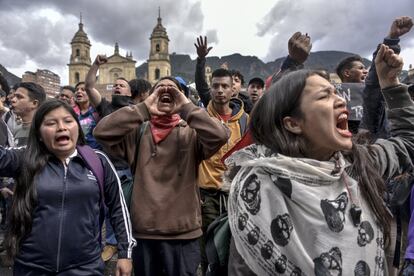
(161, 126)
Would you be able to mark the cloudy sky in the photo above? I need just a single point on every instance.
(37, 34)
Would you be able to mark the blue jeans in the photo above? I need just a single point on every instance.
(408, 269)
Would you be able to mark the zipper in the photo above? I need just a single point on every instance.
(61, 219)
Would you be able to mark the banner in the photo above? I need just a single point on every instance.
(352, 93)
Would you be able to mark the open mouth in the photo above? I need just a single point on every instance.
(342, 124)
(62, 138)
(166, 98)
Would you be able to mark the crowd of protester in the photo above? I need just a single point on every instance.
(279, 169)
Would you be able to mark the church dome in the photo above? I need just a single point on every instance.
(80, 36)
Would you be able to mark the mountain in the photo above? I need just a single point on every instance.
(249, 66)
(11, 79)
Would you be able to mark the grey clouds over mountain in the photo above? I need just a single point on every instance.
(353, 25)
(26, 31)
(36, 34)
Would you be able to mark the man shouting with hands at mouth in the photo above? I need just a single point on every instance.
(165, 203)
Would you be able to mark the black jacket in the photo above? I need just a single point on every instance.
(65, 230)
(203, 89)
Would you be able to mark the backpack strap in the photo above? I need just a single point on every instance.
(7, 116)
(243, 123)
(141, 130)
(95, 165)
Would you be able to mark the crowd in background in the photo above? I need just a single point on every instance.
(303, 187)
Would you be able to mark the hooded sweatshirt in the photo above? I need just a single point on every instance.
(165, 202)
(211, 170)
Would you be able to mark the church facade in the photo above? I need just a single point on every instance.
(118, 65)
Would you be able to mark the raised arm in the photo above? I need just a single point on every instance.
(374, 107)
(200, 74)
(299, 46)
(95, 97)
(393, 156)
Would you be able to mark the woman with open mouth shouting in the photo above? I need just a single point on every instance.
(305, 199)
(164, 139)
(62, 187)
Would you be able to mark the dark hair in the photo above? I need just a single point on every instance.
(35, 91)
(4, 84)
(346, 64)
(266, 124)
(139, 86)
(221, 72)
(69, 87)
(167, 78)
(236, 73)
(79, 83)
(35, 159)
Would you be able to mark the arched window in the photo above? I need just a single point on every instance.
(157, 74)
(116, 76)
(157, 47)
(77, 78)
(77, 52)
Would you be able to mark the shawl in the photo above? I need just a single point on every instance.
(291, 216)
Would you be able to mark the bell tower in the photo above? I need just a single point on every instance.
(159, 59)
(80, 59)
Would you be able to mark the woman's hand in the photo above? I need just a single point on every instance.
(152, 102)
(180, 100)
(389, 66)
(123, 267)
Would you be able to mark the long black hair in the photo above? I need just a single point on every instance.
(36, 157)
(266, 123)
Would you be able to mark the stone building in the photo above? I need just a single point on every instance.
(410, 75)
(80, 63)
(80, 59)
(159, 59)
(47, 79)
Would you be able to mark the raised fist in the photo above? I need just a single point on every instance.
(400, 26)
(100, 59)
(299, 47)
(389, 66)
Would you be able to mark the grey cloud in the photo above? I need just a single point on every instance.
(25, 35)
(353, 26)
(129, 23)
(212, 36)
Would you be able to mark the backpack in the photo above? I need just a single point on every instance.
(398, 199)
(128, 185)
(95, 165)
(218, 238)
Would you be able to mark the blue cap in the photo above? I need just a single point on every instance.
(183, 85)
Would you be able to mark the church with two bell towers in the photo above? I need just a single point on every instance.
(118, 65)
